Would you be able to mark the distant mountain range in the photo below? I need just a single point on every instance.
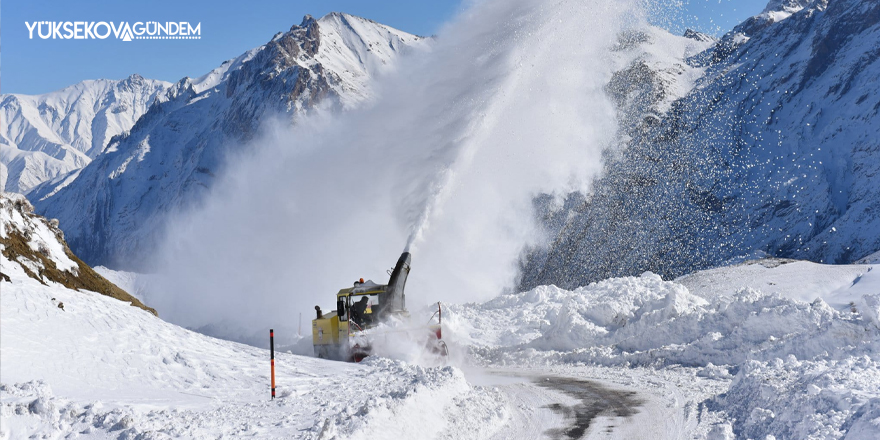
(763, 142)
(776, 151)
(46, 136)
(112, 210)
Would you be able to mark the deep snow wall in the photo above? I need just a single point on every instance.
(507, 103)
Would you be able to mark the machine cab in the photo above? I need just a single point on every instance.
(361, 309)
(358, 308)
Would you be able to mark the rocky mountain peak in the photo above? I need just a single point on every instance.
(133, 80)
(792, 6)
(699, 36)
(43, 137)
(306, 21)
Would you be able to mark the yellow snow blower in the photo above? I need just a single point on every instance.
(367, 312)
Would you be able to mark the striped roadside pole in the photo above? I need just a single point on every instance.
(272, 357)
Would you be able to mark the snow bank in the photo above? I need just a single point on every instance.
(647, 321)
(797, 366)
(793, 399)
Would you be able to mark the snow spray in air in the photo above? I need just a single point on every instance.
(506, 103)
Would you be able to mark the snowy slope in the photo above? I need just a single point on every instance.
(839, 286)
(131, 282)
(105, 370)
(652, 73)
(114, 208)
(870, 259)
(33, 246)
(774, 151)
(45, 136)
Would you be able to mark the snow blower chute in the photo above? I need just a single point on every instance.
(368, 311)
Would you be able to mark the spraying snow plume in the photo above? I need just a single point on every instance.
(507, 103)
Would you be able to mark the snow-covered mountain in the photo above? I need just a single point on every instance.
(774, 152)
(114, 208)
(45, 136)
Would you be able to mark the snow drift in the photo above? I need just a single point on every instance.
(795, 343)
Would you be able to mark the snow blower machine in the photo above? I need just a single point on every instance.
(369, 314)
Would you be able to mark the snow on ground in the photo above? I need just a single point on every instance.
(101, 369)
(85, 365)
(770, 334)
(769, 348)
(801, 280)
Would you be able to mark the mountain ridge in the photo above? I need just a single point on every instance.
(772, 153)
(114, 209)
(48, 135)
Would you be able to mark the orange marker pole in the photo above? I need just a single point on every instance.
(272, 351)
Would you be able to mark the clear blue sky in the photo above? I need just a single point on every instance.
(714, 17)
(228, 28)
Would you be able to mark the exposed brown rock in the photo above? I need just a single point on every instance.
(16, 249)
